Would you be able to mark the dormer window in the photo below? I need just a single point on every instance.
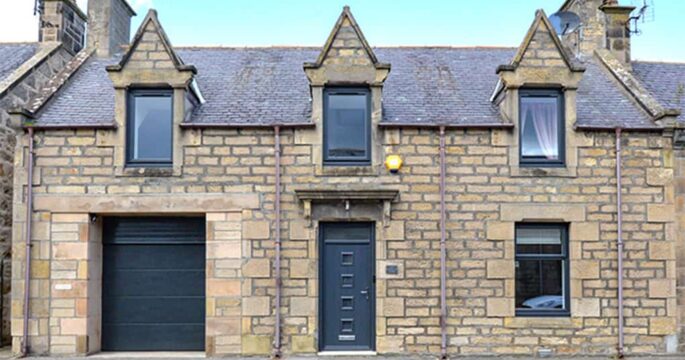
(541, 128)
(346, 126)
(149, 128)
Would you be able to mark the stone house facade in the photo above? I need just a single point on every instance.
(25, 70)
(259, 230)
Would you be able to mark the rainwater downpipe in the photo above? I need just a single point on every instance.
(619, 220)
(27, 232)
(277, 230)
(443, 251)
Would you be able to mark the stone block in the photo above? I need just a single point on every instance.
(301, 344)
(395, 231)
(73, 326)
(256, 345)
(223, 326)
(302, 268)
(223, 249)
(662, 326)
(223, 287)
(660, 213)
(520, 212)
(584, 231)
(256, 305)
(661, 288)
(299, 230)
(661, 250)
(393, 306)
(585, 307)
(585, 269)
(659, 176)
(500, 269)
(500, 230)
(256, 230)
(303, 306)
(257, 268)
(500, 307)
(70, 251)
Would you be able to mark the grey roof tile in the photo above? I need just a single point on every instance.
(664, 81)
(12, 55)
(427, 85)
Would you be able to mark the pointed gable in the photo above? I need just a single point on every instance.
(151, 49)
(346, 57)
(541, 47)
(346, 42)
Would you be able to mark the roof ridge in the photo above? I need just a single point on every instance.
(659, 62)
(314, 47)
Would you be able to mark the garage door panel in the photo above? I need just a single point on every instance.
(153, 284)
(143, 337)
(155, 256)
(154, 310)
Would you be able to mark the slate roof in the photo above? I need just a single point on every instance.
(664, 81)
(263, 86)
(12, 55)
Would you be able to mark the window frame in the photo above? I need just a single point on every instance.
(561, 127)
(131, 95)
(349, 161)
(566, 273)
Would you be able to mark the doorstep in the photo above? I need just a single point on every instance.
(346, 353)
(149, 355)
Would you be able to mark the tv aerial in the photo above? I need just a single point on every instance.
(644, 14)
(565, 22)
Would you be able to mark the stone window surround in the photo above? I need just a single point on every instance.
(571, 141)
(580, 229)
(127, 79)
(314, 137)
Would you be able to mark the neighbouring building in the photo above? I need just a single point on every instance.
(25, 68)
(398, 200)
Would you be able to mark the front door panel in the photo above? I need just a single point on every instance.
(347, 289)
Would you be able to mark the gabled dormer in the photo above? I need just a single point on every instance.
(346, 83)
(154, 93)
(536, 92)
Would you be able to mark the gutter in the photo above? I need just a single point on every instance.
(443, 250)
(619, 220)
(277, 209)
(27, 233)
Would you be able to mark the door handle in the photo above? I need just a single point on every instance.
(365, 292)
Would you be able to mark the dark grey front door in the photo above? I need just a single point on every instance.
(347, 291)
(153, 284)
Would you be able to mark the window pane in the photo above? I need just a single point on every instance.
(346, 126)
(538, 241)
(539, 128)
(152, 128)
(540, 284)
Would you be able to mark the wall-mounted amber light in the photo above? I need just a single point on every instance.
(393, 163)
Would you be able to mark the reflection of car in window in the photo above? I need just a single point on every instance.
(545, 302)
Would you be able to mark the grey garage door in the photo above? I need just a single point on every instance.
(153, 284)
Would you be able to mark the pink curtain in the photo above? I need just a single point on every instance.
(543, 117)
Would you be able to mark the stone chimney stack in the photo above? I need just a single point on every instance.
(109, 26)
(62, 21)
(618, 30)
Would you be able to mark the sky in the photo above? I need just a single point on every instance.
(384, 22)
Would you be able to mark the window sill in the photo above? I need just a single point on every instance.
(548, 322)
(529, 171)
(332, 170)
(147, 171)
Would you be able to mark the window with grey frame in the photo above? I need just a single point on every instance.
(541, 128)
(149, 128)
(542, 270)
(346, 126)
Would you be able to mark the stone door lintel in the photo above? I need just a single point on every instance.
(308, 196)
